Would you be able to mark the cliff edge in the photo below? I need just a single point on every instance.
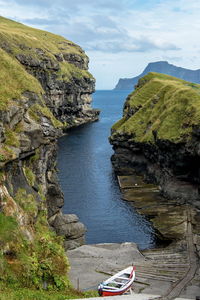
(159, 135)
(45, 89)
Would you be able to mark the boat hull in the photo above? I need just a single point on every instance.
(109, 293)
(117, 284)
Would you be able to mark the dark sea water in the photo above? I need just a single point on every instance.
(89, 184)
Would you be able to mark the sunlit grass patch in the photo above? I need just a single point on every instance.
(161, 106)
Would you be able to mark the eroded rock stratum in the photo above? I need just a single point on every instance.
(45, 89)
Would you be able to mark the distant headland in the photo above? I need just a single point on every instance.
(160, 67)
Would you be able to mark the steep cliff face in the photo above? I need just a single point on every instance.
(161, 67)
(45, 89)
(159, 136)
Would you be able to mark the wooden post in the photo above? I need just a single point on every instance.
(78, 284)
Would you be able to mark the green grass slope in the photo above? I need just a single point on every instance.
(18, 39)
(56, 55)
(33, 263)
(161, 106)
(14, 80)
(16, 34)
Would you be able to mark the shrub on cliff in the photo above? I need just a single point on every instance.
(39, 263)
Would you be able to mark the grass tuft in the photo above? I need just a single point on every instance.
(11, 138)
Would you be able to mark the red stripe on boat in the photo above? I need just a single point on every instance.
(131, 275)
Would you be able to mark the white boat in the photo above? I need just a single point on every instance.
(118, 283)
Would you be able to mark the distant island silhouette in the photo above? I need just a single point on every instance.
(160, 67)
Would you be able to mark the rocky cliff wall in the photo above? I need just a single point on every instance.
(159, 136)
(45, 89)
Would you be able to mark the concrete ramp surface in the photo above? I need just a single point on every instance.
(161, 271)
(132, 297)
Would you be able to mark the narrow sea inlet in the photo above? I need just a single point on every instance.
(89, 184)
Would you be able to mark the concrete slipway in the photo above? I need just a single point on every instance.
(158, 271)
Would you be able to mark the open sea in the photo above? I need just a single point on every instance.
(89, 184)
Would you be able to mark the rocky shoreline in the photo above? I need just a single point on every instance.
(171, 220)
(158, 139)
(168, 271)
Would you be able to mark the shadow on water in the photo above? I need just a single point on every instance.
(89, 184)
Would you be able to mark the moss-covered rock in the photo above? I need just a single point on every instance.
(18, 39)
(14, 81)
(50, 66)
(45, 88)
(159, 135)
(162, 107)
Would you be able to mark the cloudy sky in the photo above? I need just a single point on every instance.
(120, 36)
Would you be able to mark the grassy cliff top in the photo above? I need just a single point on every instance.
(161, 106)
(16, 34)
(36, 45)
